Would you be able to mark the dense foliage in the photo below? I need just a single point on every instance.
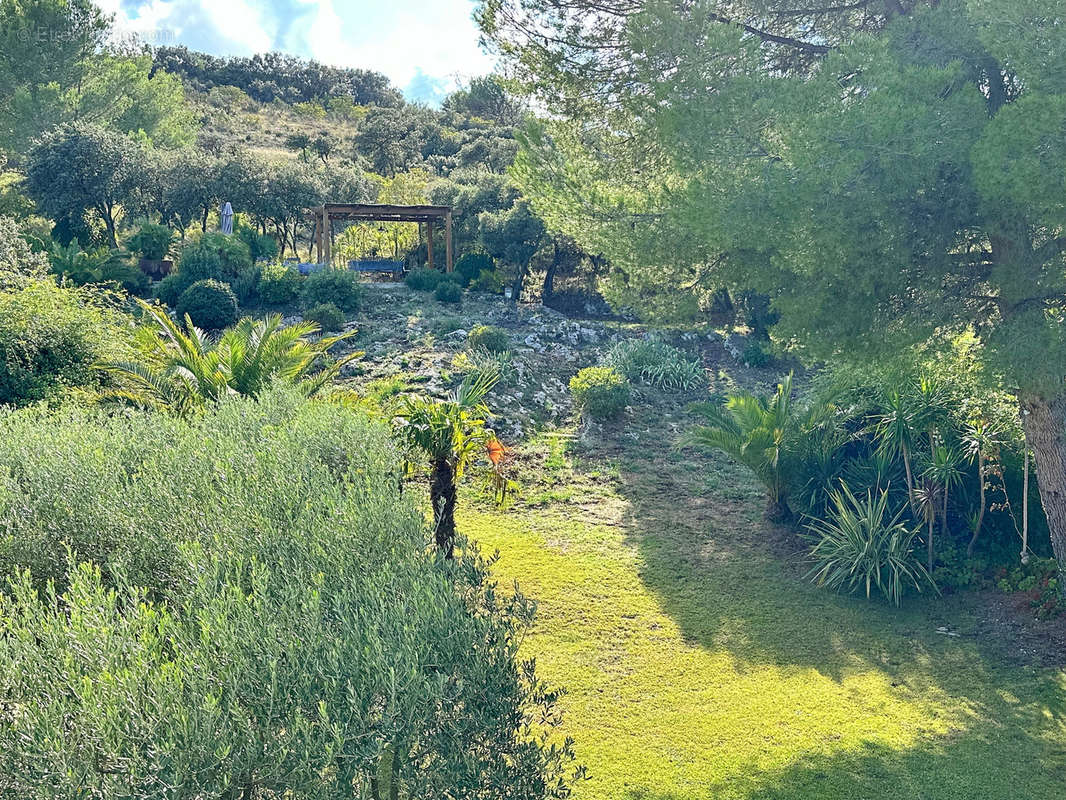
(885, 175)
(184, 618)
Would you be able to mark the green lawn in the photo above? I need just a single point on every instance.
(698, 664)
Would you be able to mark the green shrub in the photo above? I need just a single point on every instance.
(488, 282)
(338, 286)
(17, 256)
(219, 548)
(757, 354)
(471, 265)
(260, 246)
(279, 284)
(488, 337)
(861, 546)
(169, 289)
(602, 393)
(50, 337)
(152, 241)
(448, 291)
(211, 305)
(423, 280)
(657, 364)
(327, 316)
(214, 256)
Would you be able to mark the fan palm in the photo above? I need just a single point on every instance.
(184, 369)
(756, 431)
(447, 433)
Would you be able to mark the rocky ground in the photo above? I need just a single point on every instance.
(412, 340)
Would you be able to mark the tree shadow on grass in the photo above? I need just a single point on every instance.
(964, 767)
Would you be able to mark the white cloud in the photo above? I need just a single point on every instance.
(416, 43)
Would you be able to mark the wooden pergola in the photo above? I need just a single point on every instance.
(326, 214)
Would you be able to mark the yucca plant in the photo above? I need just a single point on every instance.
(447, 434)
(184, 369)
(861, 545)
(755, 430)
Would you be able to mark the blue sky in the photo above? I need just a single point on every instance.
(426, 47)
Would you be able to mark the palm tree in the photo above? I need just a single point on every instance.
(982, 444)
(755, 430)
(895, 429)
(184, 369)
(447, 433)
(945, 473)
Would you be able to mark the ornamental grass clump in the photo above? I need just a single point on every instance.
(862, 546)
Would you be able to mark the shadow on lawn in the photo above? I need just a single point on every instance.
(963, 767)
(733, 582)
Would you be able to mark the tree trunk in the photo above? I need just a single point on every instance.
(549, 276)
(929, 542)
(981, 513)
(442, 494)
(1045, 429)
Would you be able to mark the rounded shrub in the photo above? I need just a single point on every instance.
(448, 291)
(471, 265)
(488, 337)
(601, 393)
(279, 284)
(211, 305)
(423, 280)
(338, 286)
(261, 246)
(327, 316)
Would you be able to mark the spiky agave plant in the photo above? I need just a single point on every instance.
(184, 369)
(861, 545)
(755, 430)
(447, 433)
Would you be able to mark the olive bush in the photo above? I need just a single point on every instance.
(243, 605)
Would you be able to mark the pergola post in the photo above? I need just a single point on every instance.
(448, 241)
(429, 241)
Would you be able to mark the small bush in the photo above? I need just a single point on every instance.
(488, 337)
(338, 286)
(602, 393)
(488, 282)
(423, 280)
(470, 266)
(152, 241)
(657, 364)
(211, 305)
(861, 547)
(169, 290)
(448, 291)
(327, 316)
(757, 354)
(279, 284)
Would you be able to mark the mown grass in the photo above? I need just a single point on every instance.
(699, 664)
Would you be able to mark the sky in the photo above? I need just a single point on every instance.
(425, 47)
